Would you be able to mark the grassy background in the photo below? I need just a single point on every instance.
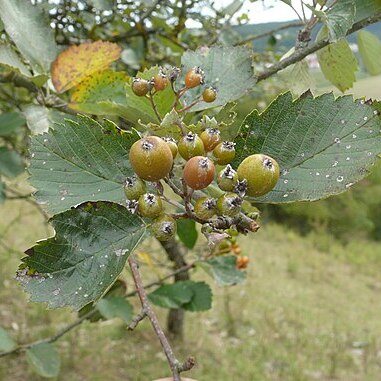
(310, 310)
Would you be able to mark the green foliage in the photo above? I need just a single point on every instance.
(367, 8)
(337, 62)
(11, 163)
(44, 359)
(10, 123)
(115, 307)
(84, 258)
(6, 341)
(187, 232)
(327, 144)
(80, 161)
(224, 270)
(370, 51)
(226, 68)
(36, 41)
(188, 295)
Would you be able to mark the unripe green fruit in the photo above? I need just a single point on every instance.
(140, 86)
(209, 94)
(227, 179)
(211, 138)
(205, 208)
(150, 205)
(190, 145)
(151, 158)
(198, 172)
(261, 172)
(172, 145)
(229, 204)
(164, 227)
(134, 187)
(224, 153)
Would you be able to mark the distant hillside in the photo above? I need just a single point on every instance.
(288, 36)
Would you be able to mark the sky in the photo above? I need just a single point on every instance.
(270, 10)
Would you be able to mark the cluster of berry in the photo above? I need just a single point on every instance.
(152, 159)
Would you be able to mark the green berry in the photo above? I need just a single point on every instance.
(227, 179)
(172, 145)
(150, 205)
(134, 187)
(190, 145)
(261, 173)
(229, 204)
(205, 208)
(224, 153)
(211, 138)
(164, 227)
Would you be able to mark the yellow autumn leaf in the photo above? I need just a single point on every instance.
(77, 62)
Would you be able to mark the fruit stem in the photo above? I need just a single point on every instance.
(153, 104)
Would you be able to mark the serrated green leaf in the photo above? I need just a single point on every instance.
(115, 307)
(6, 342)
(10, 122)
(11, 163)
(370, 51)
(79, 264)
(187, 232)
(337, 62)
(340, 18)
(80, 161)
(224, 270)
(201, 299)
(229, 69)
(44, 359)
(171, 295)
(36, 41)
(323, 145)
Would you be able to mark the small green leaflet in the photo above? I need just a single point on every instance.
(370, 51)
(187, 232)
(10, 123)
(188, 295)
(323, 145)
(11, 163)
(79, 264)
(224, 270)
(6, 342)
(44, 359)
(80, 161)
(115, 307)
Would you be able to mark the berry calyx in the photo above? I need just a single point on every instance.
(172, 145)
(209, 94)
(227, 179)
(164, 227)
(140, 86)
(224, 153)
(190, 145)
(160, 81)
(229, 204)
(150, 205)
(194, 77)
(134, 187)
(205, 208)
(261, 172)
(198, 172)
(211, 138)
(151, 158)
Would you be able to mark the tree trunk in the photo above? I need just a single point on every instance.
(175, 320)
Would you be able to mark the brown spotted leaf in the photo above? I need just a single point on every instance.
(77, 62)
